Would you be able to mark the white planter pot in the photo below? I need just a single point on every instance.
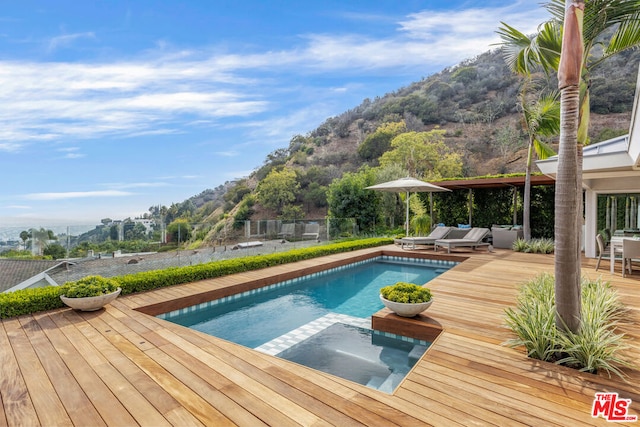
(90, 303)
(405, 309)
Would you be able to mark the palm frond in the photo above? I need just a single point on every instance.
(627, 36)
(516, 48)
(548, 44)
(543, 150)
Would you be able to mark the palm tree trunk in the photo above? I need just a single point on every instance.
(526, 212)
(567, 260)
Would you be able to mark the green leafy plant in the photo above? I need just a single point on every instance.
(534, 246)
(90, 286)
(406, 293)
(596, 347)
(421, 224)
(533, 319)
(520, 245)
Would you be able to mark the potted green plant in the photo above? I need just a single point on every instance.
(90, 293)
(406, 299)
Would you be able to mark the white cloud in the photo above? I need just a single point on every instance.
(75, 195)
(121, 185)
(161, 94)
(229, 153)
(66, 40)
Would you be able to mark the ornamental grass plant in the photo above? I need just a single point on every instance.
(534, 246)
(598, 347)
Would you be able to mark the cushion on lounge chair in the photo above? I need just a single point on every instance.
(436, 233)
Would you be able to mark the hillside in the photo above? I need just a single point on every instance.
(474, 102)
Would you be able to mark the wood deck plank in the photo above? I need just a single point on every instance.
(145, 399)
(104, 401)
(125, 367)
(46, 402)
(126, 391)
(255, 387)
(76, 402)
(196, 404)
(238, 394)
(16, 401)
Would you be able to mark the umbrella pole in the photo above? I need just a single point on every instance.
(407, 223)
(431, 210)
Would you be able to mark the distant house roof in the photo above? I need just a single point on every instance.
(20, 274)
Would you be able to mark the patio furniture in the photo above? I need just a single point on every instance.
(437, 233)
(503, 237)
(615, 247)
(602, 250)
(630, 250)
(311, 230)
(287, 230)
(472, 239)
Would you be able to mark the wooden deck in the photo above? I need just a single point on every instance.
(122, 367)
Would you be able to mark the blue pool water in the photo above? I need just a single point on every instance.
(322, 320)
(255, 319)
(359, 355)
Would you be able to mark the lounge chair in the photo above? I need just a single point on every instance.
(287, 230)
(472, 239)
(311, 230)
(439, 232)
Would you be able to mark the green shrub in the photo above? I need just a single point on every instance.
(90, 286)
(33, 300)
(406, 293)
(596, 347)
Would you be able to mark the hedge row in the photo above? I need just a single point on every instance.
(33, 300)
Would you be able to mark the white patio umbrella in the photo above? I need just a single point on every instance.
(408, 185)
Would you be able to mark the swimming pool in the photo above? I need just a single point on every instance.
(278, 317)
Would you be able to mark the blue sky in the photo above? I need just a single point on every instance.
(110, 107)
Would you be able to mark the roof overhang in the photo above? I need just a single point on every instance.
(494, 182)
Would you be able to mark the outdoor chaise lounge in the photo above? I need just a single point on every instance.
(311, 231)
(287, 230)
(439, 232)
(472, 239)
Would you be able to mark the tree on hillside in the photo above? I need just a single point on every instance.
(423, 154)
(278, 189)
(348, 198)
(179, 230)
(378, 142)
